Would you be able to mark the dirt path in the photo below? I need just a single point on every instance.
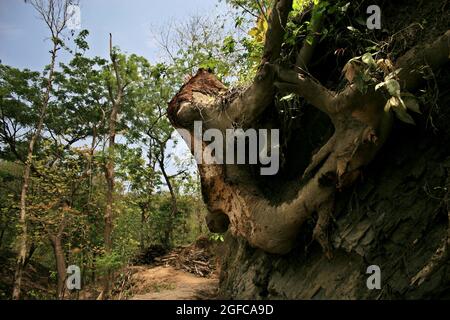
(167, 283)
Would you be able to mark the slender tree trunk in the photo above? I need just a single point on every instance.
(109, 175)
(61, 267)
(58, 250)
(199, 220)
(142, 235)
(1, 236)
(91, 157)
(168, 234)
(30, 254)
(22, 252)
(110, 193)
(109, 168)
(146, 204)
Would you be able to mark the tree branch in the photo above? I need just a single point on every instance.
(306, 87)
(247, 107)
(306, 52)
(415, 60)
(276, 29)
(116, 71)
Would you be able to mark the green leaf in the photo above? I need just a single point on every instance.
(288, 97)
(300, 5)
(297, 4)
(393, 87)
(361, 21)
(411, 103)
(368, 59)
(344, 8)
(360, 82)
(403, 115)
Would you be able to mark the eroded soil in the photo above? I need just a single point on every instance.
(168, 283)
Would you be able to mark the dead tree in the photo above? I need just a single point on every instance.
(361, 127)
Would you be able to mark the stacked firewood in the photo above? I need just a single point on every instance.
(196, 259)
(122, 285)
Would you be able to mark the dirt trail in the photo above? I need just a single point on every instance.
(167, 283)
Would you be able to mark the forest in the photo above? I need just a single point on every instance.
(100, 176)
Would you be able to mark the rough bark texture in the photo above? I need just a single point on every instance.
(61, 268)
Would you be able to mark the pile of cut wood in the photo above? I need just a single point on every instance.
(196, 258)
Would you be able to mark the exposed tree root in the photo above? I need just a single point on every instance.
(439, 258)
(361, 128)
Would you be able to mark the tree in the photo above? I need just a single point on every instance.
(54, 203)
(20, 92)
(75, 192)
(121, 78)
(149, 127)
(361, 113)
(55, 15)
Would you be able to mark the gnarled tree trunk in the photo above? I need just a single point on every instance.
(261, 222)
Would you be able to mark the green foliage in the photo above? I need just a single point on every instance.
(364, 71)
(109, 262)
(10, 184)
(216, 237)
(68, 186)
(397, 99)
(20, 98)
(300, 5)
(258, 32)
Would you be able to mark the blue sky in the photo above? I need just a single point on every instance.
(23, 36)
(24, 39)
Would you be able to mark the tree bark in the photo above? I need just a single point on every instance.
(55, 15)
(60, 266)
(168, 233)
(116, 101)
(142, 234)
(60, 259)
(2, 233)
(26, 178)
(31, 251)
